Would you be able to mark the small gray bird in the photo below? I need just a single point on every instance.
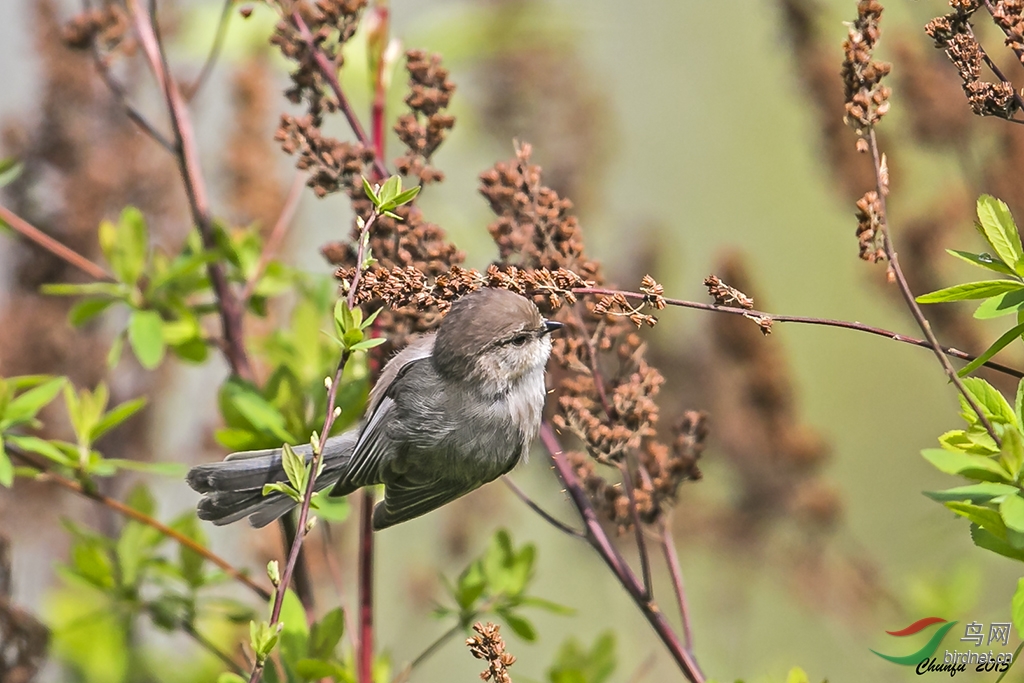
(452, 411)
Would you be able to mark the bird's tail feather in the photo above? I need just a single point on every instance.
(233, 489)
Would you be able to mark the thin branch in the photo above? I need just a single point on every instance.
(46, 474)
(364, 658)
(545, 515)
(27, 230)
(215, 50)
(435, 646)
(641, 545)
(329, 71)
(273, 243)
(908, 296)
(1019, 53)
(996, 70)
(599, 540)
(825, 322)
(672, 560)
(187, 155)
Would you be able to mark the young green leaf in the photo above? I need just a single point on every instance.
(999, 230)
(984, 260)
(294, 467)
(997, 346)
(985, 517)
(116, 416)
(6, 468)
(982, 289)
(991, 401)
(371, 194)
(1017, 608)
(295, 631)
(973, 493)
(145, 334)
(521, 626)
(10, 169)
(326, 633)
(84, 311)
(25, 407)
(989, 541)
(1000, 305)
(391, 188)
(33, 444)
(964, 464)
(1012, 512)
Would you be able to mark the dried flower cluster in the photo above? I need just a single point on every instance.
(409, 287)
(104, 27)
(607, 397)
(724, 295)
(333, 165)
(953, 34)
(331, 23)
(870, 226)
(867, 100)
(426, 126)
(487, 644)
(1009, 16)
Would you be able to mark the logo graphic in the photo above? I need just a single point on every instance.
(929, 648)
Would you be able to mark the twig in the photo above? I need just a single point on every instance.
(301, 581)
(273, 243)
(561, 526)
(599, 540)
(672, 560)
(307, 497)
(364, 659)
(825, 322)
(24, 228)
(46, 474)
(187, 154)
(1019, 53)
(995, 69)
(329, 71)
(215, 50)
(641, 545)
(908, 296)
(435, 646)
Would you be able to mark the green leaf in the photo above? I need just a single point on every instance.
(370, 194)
(966, 465)
(326, 634)
(260, 414)
(295, 632)
(114, 354)
(10, 169)
(86, 310)
(997, 306)
(145, 334)
(1012, 512)
(1019, 403)
(114, 290)
(983, 289)
(6, 468)
(1011, 455)
(999, 230)
(996, 347)
(519, 625)
(367, 344)
(555, 608)
(985, 517)
(797, 675)
(983, 260)
(390, 189)
(975, 493)
(1017, 608)
(132, 246)
(27, 405)
(405, 197)
(991, 401)
(230, 677)
(116, 416)
(989, 541)
(294, 467)
(34, 444)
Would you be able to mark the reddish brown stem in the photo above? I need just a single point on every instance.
(365, 657)
(329, 71)
(187, 155)
(672, 560)
(27, 230)
(599, 540)
(825, 322)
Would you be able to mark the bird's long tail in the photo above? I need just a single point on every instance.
(233, 488)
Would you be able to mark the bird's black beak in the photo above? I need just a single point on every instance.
(550, 326)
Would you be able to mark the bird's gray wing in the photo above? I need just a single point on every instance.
(376, 444)
(406, 498)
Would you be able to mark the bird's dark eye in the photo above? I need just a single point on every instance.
(520, 339)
